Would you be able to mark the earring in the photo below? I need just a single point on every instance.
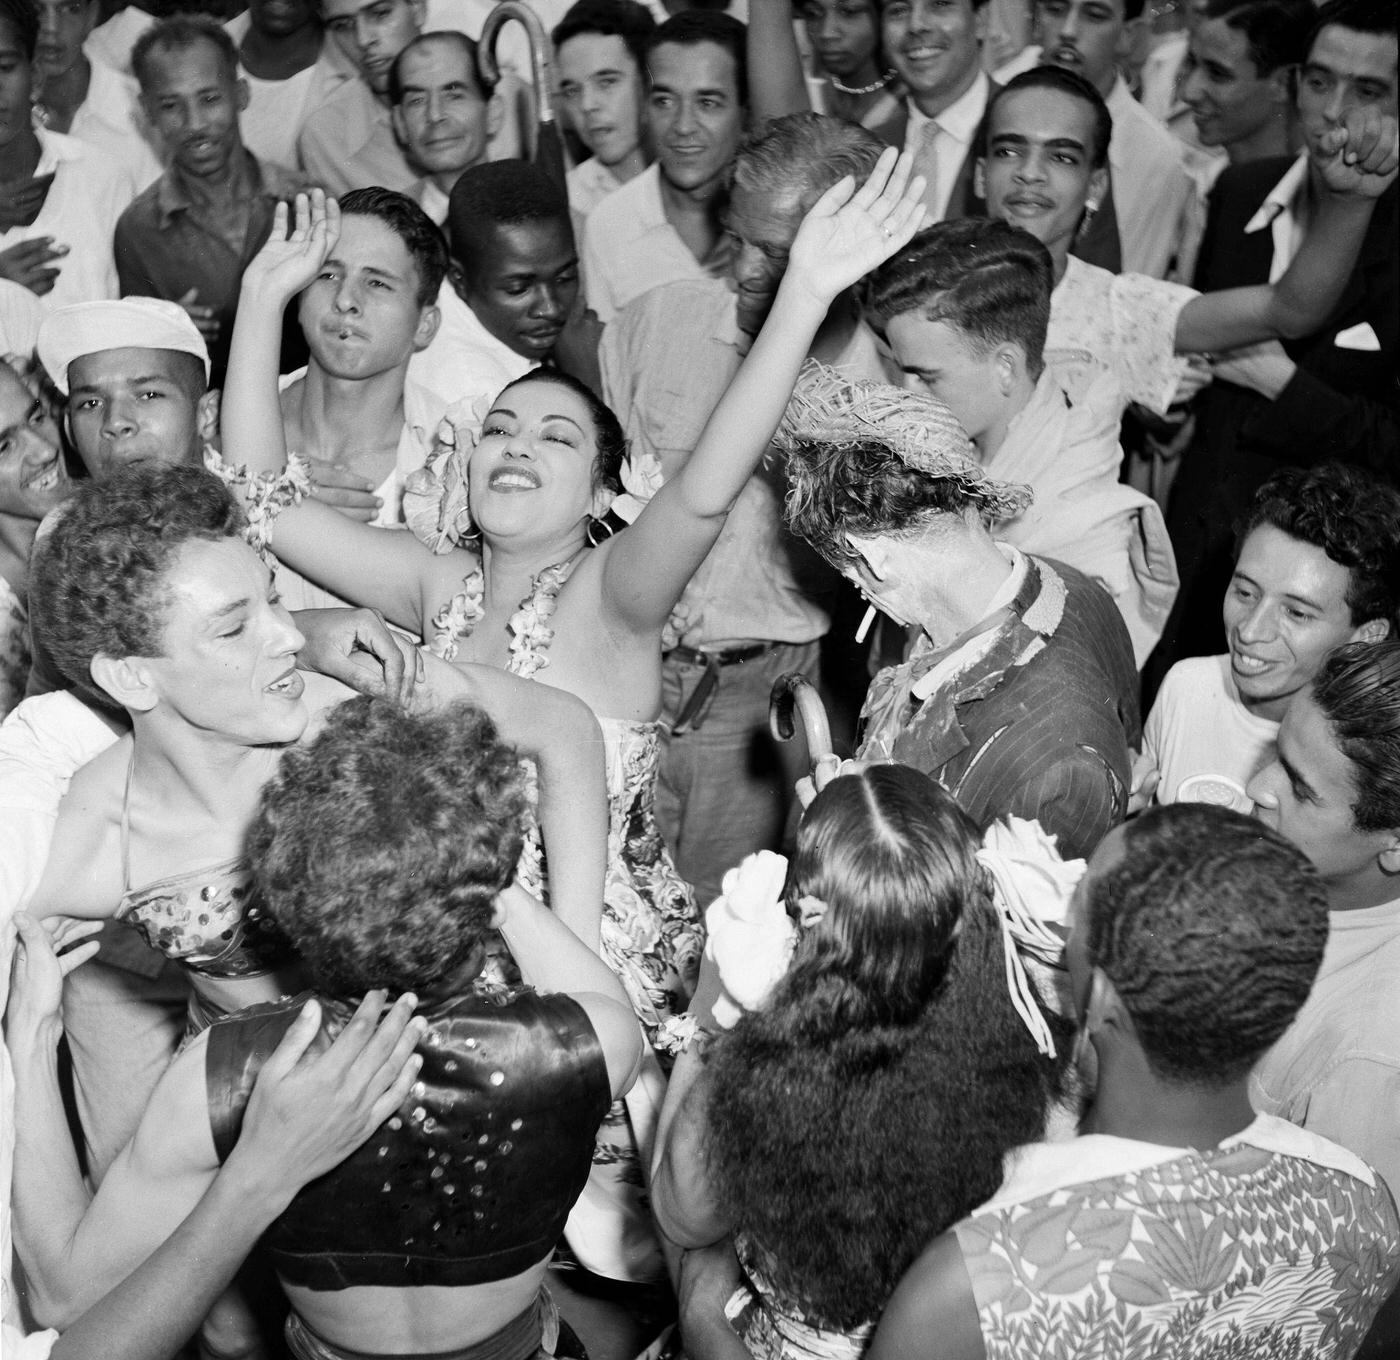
(598, 530)
(1090, 208)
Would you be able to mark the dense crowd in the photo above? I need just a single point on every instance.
(708, 681)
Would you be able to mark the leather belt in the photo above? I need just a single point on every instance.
(692, 715)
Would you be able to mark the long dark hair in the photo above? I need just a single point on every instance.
(869, 1105)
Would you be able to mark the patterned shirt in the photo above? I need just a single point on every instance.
(1277, 1243)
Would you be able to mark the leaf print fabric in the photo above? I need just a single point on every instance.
(1234, 1252)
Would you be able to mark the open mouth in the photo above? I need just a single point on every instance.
(288, 686)
(513, 479)
(47, 478)
(1066, 56)
(1245, 664)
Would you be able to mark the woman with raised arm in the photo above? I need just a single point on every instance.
(539, 599)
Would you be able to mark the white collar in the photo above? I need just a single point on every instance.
(961, 119)
(1282, 196)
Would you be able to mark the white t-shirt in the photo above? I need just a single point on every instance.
(1203, 742)
(464, 361)
(272, 121)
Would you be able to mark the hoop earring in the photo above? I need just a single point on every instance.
(598, 530)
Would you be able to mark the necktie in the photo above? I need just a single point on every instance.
(926, 164)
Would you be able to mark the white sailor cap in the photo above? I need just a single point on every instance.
(69, 333)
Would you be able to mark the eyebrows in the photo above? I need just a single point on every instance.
(506, 411)
(1307, 600)
(1301, 787)
(36, 407)
(98, 386)
(1023, 139)
(378, 271)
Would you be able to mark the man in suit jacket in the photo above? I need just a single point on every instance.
(935, 46)
(1328, 395)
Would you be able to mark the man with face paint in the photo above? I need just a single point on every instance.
(1195, 937)
(755, 609)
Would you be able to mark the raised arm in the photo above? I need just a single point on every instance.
(383, 569)
(561, 735)
(847, 233)
(1357, 164)
(776, 83)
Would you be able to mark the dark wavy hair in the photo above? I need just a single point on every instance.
(607, 430)
(866, 489)
(381, 844)
(1377, 17)
(181, 33)
(1276, 32)
(1211, 927)
(1065, 82)
(869, 1105)
(691, 27)
(1357, 690)
(97, 579)
(624, 19)
(987, 279)
(418, 232)
(1351, 516)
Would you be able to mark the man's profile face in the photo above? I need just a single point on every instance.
(763, 226)
(937, 358)
(1084, 36)
(193, 99)
(1285, 610)
(1307, 794)
(600, 86)
(1345, 69)
(934, 47)
(1038, 172)
(372, 33)
(442, 116)
(1228, 98)
(693, 112)
(521, 283)
(361, 315)
(138, 405)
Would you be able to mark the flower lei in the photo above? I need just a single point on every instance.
(529, 625)
(265, 494)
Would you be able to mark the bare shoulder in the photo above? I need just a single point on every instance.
(934, 1298)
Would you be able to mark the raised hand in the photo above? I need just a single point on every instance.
(290, 259)
(1360, 156)
(849, 231)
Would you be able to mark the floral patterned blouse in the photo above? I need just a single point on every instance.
(1277, 1244)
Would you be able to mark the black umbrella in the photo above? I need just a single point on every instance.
(549, 145)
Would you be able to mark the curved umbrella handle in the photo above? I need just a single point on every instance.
(539, 53)
(795, 698)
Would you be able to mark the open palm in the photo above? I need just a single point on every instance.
(289, 260)
(849, 231)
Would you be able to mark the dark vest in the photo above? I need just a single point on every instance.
(472, 1179)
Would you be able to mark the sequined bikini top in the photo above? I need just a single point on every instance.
(209, 920)
(472, 1179)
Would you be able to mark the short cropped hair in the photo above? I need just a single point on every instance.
(987, 279)
(1377, 17)
(1065, 82)
(1276, 32)
(1357, 689)
(500, 194)
(1352, 517)
(382, 843)
(419, 233)
(97, 579)
(808, 152)
(445, 37)
(624, 19)
(1211, 927)
(180, 33)
(691, 27)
